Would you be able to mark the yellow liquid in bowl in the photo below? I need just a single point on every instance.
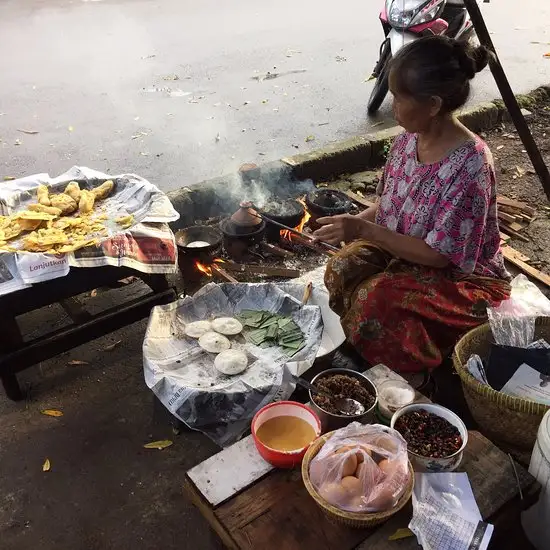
(286, 433)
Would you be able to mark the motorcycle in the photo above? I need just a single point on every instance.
(405, 21)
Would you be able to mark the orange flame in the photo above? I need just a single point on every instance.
(286, 234)
(207, 269)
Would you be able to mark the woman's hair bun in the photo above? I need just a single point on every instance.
(471, 59)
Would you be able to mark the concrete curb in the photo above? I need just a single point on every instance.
(221, 195)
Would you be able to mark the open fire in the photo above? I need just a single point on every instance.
(207, 269)
(288, 235)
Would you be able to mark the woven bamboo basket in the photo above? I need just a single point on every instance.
(502, 418)
(356, 520)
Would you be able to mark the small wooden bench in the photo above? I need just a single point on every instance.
(251, 505)
(16, 354)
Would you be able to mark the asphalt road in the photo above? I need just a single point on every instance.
(173, 90)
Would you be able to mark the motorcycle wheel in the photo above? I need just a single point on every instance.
(380, 90)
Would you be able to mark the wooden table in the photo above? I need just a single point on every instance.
(251, 505)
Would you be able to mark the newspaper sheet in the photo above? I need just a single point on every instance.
(147, 246)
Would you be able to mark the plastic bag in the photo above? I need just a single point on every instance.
(361, 468)
(513, 322)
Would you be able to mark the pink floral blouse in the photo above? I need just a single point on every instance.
(450, 204)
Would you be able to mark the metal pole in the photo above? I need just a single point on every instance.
(508, 96)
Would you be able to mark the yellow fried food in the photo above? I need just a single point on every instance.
(10, 230)
(64, 223)
(30, 225)
(125, 221)
(104, 190)
(46, 209)
(87, 199)
(30, 215)
(75, 246)
(73, 190)
(43, 195)
(66, 204)
(43, 239)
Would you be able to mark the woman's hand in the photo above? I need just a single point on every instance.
(337, 229)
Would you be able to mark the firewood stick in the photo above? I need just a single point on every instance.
(312, 245)
(514, 234)
(276, 250)
(220, 271)
(296, 232)
(249, 269)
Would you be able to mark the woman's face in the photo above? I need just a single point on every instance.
(413, 115)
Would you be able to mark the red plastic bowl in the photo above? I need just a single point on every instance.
(284, 459)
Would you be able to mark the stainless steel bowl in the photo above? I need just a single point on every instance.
(331, 421)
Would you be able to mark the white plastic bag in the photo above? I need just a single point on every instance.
(361, 468)
(513, 321)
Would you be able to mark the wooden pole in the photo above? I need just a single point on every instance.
(508, 97)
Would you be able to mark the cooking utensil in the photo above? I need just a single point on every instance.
(295, 231)
(345, 405)
(332, 421)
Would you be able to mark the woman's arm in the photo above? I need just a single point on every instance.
(348, 228)
(411, 249)
(370, 213)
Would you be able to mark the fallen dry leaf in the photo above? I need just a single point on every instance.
(46, 467)
(310, 138)
(520, 172)
(128, 280)
(30, 132)
(77, 362)
(52, 412)
(9, 178)
(547, 55)
(112, 346)
(162, 444)
(402, 533)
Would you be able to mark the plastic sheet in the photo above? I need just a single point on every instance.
(361, 468)
(184, 378)
(513, 322)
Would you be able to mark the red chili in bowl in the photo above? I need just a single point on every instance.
(429, 435)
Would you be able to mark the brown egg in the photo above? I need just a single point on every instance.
(333, 493)
(349, 466)
(352, 486)
(344, 449)
(386, 466)
(363, 449)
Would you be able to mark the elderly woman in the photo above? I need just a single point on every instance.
(425, 262)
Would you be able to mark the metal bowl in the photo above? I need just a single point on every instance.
(331, 421)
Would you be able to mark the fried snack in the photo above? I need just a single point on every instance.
(30, 215)
(29, 225)
(87, 199)
(73, 190)
(46, 209)
(43, 195)
(125, 221)
(104, 190)
(75, 246)
(64, 202)
(64, 223)
(43, 239)
(9, 228)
